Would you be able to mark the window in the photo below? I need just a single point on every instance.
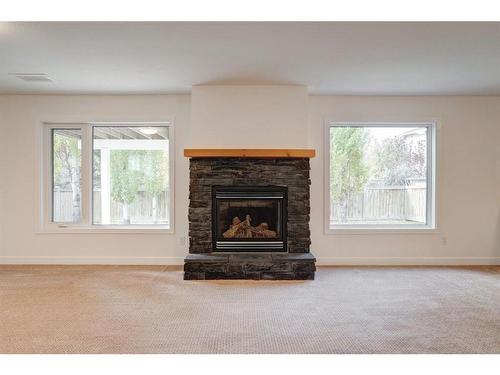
(107, 176)
(66, 175)
(380, 176)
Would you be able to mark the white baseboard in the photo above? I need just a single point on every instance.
(408, 261)
(94, 260)
(321, 261)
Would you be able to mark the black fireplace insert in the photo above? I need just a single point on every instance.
(249, 218)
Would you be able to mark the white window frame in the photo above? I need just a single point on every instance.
(85, 225)
(431, 223)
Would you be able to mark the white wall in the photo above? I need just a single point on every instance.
(468, 199)
(19, 131)
(3, 173)
(249, 116)
(468, 191)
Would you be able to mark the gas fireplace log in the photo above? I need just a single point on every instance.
(243, 229)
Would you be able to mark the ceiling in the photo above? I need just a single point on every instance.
(330, 58)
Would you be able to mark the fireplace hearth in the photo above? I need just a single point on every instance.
(249, 216)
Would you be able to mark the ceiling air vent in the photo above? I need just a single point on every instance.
(32, 77)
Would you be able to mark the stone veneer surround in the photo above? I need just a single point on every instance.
(203, 263)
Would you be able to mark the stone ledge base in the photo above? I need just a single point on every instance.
(253, 266)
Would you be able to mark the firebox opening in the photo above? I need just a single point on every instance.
(249, 218)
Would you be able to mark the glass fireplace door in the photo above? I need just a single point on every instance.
(249, 219)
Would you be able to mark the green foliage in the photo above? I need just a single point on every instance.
(155, 172)
(125, 181)
(133, 170)
(96, 168)
(348, 170)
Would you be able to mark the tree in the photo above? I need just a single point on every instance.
(96, 168)
(125, 179)
(399, 158)
(135, 170)
(155, 177)
(348, 170)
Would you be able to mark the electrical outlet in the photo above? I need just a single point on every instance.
(444, 241)
(182, 240)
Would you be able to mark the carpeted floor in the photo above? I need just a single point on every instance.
(136, 309)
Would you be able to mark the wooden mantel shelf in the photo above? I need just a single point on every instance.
(249, 153)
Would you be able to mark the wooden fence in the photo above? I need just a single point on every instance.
(378, 204)
(140, 211)
(399, 203)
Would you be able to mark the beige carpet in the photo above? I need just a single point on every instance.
(116, 309)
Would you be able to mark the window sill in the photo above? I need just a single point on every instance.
(357, 230)
(133, 229)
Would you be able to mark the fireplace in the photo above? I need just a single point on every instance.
(249, 218)
(249, 215)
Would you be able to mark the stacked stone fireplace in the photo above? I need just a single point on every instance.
(249, 218)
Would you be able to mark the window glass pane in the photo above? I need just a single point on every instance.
(130, 175)
(66, 175)
(378, 175)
